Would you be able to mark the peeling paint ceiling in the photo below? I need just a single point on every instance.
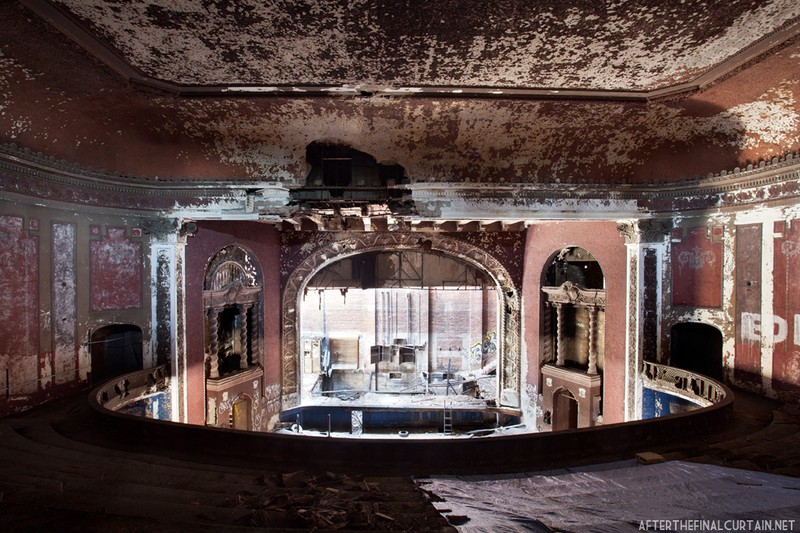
(57, 99)
(633, 45)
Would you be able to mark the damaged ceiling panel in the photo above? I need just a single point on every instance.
(633, 45)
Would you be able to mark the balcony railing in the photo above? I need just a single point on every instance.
(695, 388)
(132, 387)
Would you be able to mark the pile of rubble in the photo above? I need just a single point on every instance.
(332, 501)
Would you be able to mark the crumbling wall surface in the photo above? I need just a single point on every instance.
(786, 308)
(738, 271)
(604, 242)
(19, 311)
(75, 110)
(211, 237)
(46, 319)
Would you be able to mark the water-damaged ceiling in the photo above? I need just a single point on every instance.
(125, 98)
(616, 45)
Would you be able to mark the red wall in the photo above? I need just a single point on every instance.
(606, 244)
(786, 353)
(697, 268)
(116, 263)
(211, 237)
(19, 310)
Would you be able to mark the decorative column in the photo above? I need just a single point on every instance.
(213, 334)
(167, 340)
(244, 334)
(644, 240)
(559, 333)
(592, 336)
(254, 336)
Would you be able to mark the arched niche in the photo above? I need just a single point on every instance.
(572, 343)
(232, 294)
(573, 310)
(565, 410)
(508, 320)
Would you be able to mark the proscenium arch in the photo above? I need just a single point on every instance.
(509, 319)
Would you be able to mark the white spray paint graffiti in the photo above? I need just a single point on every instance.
(754, 325)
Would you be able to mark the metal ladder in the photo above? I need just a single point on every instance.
(447, 426)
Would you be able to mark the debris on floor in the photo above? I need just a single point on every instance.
(332, 501)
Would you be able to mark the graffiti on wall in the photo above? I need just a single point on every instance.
(483, 350)
(756, 325)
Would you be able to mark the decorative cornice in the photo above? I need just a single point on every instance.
(243, 376)
(761, 174)
(572, 375)
(233, 294)
(21, 170)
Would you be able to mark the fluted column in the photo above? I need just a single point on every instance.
(559, 333)
(213, 334)
(592, 340)
(244, 334)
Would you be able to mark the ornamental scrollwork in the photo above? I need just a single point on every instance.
(790, 248)
(696, 258)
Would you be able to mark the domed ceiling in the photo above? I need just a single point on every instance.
(524, 92)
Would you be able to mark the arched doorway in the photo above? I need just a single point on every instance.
(116, 350)
(240, 415)
(698, 348)
(565, 410)
(508, 327)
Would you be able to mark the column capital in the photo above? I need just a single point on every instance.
(648, 230)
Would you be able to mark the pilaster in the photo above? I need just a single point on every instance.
(645, 241)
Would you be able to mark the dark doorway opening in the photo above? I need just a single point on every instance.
(565, 411)
(116, 350)
(697, 348)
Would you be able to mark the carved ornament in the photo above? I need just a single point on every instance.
(570, 293)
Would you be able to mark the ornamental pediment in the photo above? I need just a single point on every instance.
(570, 293)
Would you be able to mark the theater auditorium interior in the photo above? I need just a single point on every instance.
(408, 265)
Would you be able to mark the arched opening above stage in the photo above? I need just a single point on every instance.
(399, 322)
(399, 268)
